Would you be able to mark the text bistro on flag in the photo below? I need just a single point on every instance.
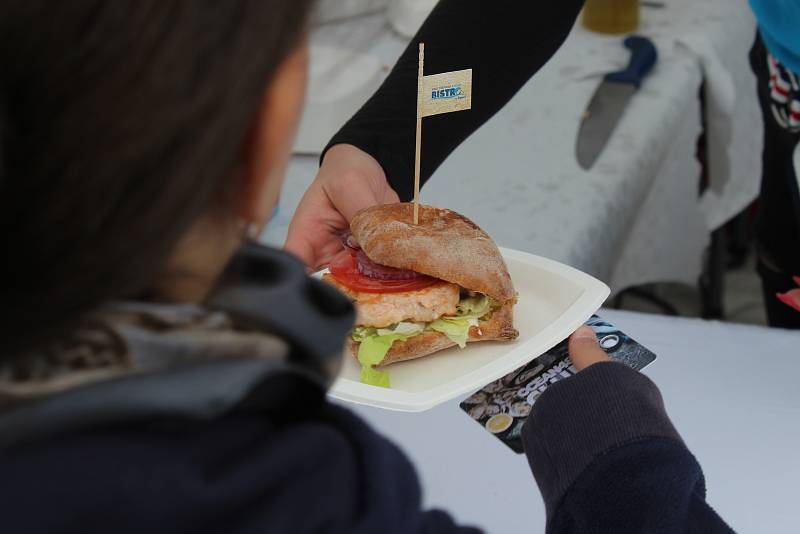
(446, 92)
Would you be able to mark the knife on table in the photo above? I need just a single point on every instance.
(609, 101)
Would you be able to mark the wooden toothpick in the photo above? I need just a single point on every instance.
(419, 132)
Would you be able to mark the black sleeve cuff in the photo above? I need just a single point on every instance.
(399, 172)
(577, 419)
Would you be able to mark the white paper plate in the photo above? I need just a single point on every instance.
(554, 300)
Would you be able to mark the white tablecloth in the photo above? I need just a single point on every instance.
(635, 217)
(731, 391)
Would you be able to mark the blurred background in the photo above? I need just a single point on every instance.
(664, 215)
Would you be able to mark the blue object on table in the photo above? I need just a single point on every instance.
(643, 59)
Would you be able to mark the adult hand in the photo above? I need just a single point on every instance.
(348, 181)
(584, 349)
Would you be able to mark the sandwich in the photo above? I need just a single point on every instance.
(419, 289)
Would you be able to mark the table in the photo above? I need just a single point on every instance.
(735, 402)
(635, 218)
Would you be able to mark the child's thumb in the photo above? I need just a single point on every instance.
(584, 349)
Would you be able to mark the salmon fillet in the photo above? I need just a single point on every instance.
(385, 309)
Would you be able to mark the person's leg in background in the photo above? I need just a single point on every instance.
(778, 221)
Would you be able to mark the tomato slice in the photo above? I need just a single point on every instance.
(344, 268)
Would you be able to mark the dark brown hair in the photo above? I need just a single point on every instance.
(119, 122)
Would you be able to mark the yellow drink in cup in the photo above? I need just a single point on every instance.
(611, 16)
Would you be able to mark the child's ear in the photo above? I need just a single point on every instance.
(268, 147)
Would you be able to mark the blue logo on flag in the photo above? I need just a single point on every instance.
(447, 93)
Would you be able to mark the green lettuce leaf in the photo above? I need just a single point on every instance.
(404, 328)
(455, 328)
(375, 343)
(468, 312)
(476, 306)
(373, 377)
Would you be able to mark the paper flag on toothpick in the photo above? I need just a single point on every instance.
(446, 92)
(436, 94)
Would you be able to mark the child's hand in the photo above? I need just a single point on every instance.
(584, 349)
(348, 180)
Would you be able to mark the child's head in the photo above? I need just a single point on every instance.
(137, 139)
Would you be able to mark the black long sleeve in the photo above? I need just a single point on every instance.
(505, 42)
(607, 458)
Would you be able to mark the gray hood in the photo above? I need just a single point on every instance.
(136, 361)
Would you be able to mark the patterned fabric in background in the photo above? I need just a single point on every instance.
(785, 105)
(785, 94)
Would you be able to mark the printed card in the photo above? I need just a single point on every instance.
(502, 407)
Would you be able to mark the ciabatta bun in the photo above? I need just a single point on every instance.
(444, 245)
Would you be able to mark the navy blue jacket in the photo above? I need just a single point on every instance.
(605, 456)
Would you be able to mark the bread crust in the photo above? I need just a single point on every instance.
(499, 327)
(444, 245)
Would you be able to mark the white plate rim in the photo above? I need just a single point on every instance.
(594, 294)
